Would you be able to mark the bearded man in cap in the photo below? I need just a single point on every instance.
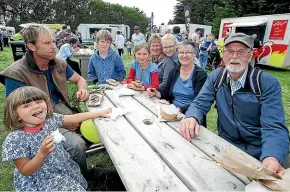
(253, 122)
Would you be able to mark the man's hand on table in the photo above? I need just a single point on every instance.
(189, 128)
(82, 94)
(273, 165)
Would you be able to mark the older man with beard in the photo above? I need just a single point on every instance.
(254, 124)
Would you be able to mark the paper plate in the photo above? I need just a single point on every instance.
(94, 100)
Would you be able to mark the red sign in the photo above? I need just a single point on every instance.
(226, 30)
(278, 29)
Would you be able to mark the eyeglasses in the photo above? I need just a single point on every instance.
(240, 52)
(185, 53)
(169, 47)
(136, 29)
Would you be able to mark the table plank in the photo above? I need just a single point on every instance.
(84, 62)
(208, 142)
(139, 167)
(188, 162)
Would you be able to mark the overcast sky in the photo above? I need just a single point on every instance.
(162, 9)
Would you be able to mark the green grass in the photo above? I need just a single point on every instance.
(102, 159)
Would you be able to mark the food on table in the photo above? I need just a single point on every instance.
(169, 113)
(112, 82)
(137, 83)
(97, 89)
(95, 100)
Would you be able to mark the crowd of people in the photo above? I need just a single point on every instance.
(37, 100)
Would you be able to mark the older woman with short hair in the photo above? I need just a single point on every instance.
(164, 63)
(105, 63)
(184, 81)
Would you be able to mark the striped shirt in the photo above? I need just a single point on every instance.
(236, 85)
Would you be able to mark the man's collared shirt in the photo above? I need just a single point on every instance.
(236, 85)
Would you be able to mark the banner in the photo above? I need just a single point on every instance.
(187, 11)
(278, 29)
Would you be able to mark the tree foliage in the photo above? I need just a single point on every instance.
(210, 12)
(70, 12)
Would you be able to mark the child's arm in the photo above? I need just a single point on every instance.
(131, 75)
(79, 117)
(27, 166)
(154, 81)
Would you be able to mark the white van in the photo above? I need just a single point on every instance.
(88, 31)
(273, 32)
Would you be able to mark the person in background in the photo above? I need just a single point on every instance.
(254, 124)
(196, 39)
(105, 63)
(79, 36)
(10, 34)
(41, 162)
(257, 45)
(129, 47)
(164, 63)
(184, 34)
(40, 68)
(176, 33)
(143, 73)
(205, 48)
(5, 38)
(67, 50)
(184, 81)
(61, 34)
(137, 37)
(120, 42)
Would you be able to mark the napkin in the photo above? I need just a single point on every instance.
(116, 112)
(57, 136)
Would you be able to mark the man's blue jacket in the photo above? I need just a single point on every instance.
(255, 126)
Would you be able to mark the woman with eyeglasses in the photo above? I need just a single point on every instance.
(164, 63)
(184, 81)
(143, 73)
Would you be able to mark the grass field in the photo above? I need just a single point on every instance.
(102, 159)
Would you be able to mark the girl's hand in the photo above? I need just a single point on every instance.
(131, 86)
(138, 84)
(47, 146)
(105, 113)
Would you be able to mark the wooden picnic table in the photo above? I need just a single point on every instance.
(150, 155)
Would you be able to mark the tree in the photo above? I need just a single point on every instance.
(210, 12)
(220, 13)
(70, 12)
